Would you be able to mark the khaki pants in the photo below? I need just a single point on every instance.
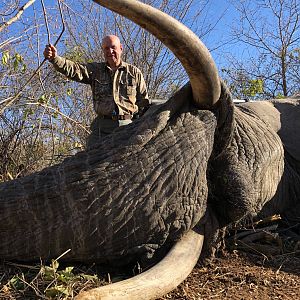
(103, 127)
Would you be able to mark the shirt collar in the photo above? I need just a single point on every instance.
(121, 66)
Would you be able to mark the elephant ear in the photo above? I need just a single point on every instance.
(283, 118)
(186, 46)
(290, 126)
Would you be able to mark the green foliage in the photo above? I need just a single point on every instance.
(55, 114)
(279, 96)
(75, 53)
(46, 281)
(59, 279)
(253, 87)
(241, 86)
(43, 99)
(16, 61)
(16, 283)
(69, 91)
(57, 291)
(5, 58)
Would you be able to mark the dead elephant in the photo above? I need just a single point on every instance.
(195, 162)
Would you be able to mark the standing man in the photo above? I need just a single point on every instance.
(118, 88)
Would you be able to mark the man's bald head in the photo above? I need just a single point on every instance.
(112, 49)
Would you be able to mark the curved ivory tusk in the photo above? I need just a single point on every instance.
(157, 281)
(185, 45)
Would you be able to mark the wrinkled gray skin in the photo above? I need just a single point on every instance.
(258, 173)
(138, 190)
(179, 167)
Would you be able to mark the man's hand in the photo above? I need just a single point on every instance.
(50, 52)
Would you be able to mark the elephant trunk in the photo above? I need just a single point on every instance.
(185, 45)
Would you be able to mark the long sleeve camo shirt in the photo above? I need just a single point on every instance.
(123, 91)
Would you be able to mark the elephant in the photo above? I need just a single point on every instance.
(174, 177)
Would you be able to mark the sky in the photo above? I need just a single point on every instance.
(216, 8)
(223, 13)
(216, 40)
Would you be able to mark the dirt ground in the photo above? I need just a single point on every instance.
(243, 276)
(261, 261)
(237, 275)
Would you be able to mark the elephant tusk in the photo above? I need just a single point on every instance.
(157, 281)
(185, 45)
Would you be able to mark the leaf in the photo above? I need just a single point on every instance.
(253, 87)
(5, 58)
(16, 283)
(68, 270)
(54, 264)
(24, 68)
(18, 61)
(16, 65)
(279, 96)
(18, 57)
(56, 291)
(89, 277)
(66, 275)
(42, 99)
(78, 145)
(69, 91)
(48, 273)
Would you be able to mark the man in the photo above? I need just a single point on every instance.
(118, 88)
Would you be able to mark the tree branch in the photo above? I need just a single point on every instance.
(17, 16)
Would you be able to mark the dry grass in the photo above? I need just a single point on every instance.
(242, 276)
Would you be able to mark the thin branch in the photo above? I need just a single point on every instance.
(17, 16)
(46, 21)
(55, 110)
(9, 101)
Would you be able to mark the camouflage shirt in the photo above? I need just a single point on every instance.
(123, 91)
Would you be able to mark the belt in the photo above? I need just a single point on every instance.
(116, 117)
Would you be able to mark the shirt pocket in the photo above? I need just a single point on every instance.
(131, 88)
(102, 88)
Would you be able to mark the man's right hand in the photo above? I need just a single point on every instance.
(50, 52)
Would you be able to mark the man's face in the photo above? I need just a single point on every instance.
(112, 50)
